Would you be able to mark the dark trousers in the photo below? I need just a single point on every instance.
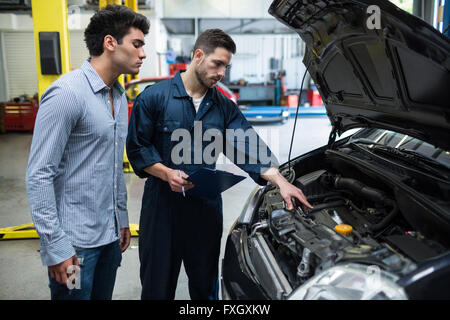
(187, 231)
(98, 268)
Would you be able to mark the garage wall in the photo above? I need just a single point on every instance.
(18, 60)
(254, 52)
(3, 83)
(20, 63)
(251, 62)
(78, 51)
(155, 64)
(216, 8)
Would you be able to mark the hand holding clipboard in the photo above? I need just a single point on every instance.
(209, 183)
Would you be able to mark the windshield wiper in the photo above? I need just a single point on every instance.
(418, 160)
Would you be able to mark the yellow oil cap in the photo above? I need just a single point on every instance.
(344, 229)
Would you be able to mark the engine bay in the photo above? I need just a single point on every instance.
(357, 218)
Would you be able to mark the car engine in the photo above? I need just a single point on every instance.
(356, 219)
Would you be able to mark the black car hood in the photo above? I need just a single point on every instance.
(395, 77)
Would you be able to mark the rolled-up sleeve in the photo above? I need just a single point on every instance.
(245, 148)
(57, 116)
(141, 151)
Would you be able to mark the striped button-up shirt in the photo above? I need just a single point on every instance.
(75, 184)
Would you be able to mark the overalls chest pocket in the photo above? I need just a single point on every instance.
(164, 131)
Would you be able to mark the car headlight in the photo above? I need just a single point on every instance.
(285, 114)
(351, 282)
(250, 204)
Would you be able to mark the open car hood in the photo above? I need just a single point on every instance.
(394, 77)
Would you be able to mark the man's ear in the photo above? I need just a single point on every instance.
(109, 43)
(199, 55)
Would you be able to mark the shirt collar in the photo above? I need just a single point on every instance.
(178, 83)
(95, 81)
(119, 87)
(181, 90)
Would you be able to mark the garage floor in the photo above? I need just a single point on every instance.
(22, 275)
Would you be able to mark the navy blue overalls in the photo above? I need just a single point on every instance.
(173, 228)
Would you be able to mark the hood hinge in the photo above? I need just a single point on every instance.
(332, 138)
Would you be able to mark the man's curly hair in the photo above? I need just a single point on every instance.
(112, 20)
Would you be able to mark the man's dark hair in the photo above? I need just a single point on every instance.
(112, 20)
(210, 39)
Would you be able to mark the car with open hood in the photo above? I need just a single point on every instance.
(380, 226)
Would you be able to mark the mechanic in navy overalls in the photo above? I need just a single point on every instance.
(172, 227)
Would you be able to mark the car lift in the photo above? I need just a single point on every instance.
(50, 17)
(27, 231)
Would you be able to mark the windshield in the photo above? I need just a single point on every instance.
(404, 142)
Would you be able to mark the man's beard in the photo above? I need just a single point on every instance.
(202, 79)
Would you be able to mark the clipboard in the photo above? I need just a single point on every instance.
(209, 183)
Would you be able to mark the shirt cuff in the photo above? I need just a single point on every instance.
(56, 252)
(123, 219)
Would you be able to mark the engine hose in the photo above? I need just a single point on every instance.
(327, 205)
(385, 222)
(361, 189)
(372, 194)
(346, 202)
(318, 197)
(368, 193)
(375, 227)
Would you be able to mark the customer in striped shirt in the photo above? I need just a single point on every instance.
(75, 184)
